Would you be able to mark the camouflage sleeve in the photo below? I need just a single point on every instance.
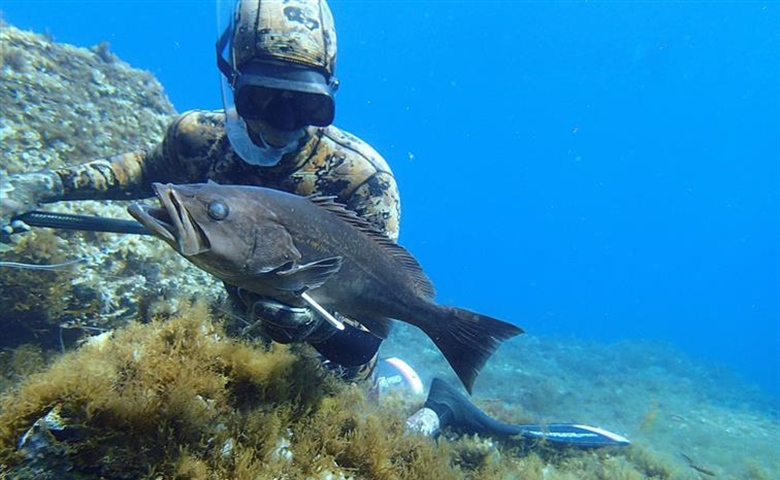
(377, 201)
(182, 156)
(121, 176)
(335, 162)
(344, 165)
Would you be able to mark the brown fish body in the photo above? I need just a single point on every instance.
(278, 245)
(371, 284)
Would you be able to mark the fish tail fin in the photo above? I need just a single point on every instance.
(467, 339)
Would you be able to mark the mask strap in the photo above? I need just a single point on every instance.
(224, 66)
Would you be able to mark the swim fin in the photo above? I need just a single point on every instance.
(456, 411)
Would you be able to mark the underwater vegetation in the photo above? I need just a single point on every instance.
(176, 398)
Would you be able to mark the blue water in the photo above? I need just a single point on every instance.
(603, 170)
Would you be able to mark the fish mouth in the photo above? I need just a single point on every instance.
(172, 223)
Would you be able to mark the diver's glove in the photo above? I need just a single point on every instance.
(284, 323)
(278, 321)
(23, 192)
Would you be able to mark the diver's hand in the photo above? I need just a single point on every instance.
(23, 192)
(279, 321)
(284, 323)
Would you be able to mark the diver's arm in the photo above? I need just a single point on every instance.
(182, 157)
(117, 177)
(357, 174)
(377, 201)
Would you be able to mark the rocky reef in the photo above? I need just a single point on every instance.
(63, 105)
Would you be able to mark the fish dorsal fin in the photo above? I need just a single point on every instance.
(399, 253)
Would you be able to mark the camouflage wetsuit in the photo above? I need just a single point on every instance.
(196, 149)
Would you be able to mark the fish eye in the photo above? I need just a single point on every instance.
(218, 210)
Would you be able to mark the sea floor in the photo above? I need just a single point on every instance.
(188, 401)
(699, 419)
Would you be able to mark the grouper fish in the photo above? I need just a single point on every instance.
(282, 246)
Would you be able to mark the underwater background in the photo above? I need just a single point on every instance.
(598, 170)
(605, 175)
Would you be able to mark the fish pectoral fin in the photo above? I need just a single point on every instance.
(299, 278)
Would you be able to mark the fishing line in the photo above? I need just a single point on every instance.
(54, 266)
(46, 266)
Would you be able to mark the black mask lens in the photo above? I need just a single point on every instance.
(283, 109)
(283, 113)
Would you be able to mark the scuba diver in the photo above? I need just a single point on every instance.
(277, 61)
